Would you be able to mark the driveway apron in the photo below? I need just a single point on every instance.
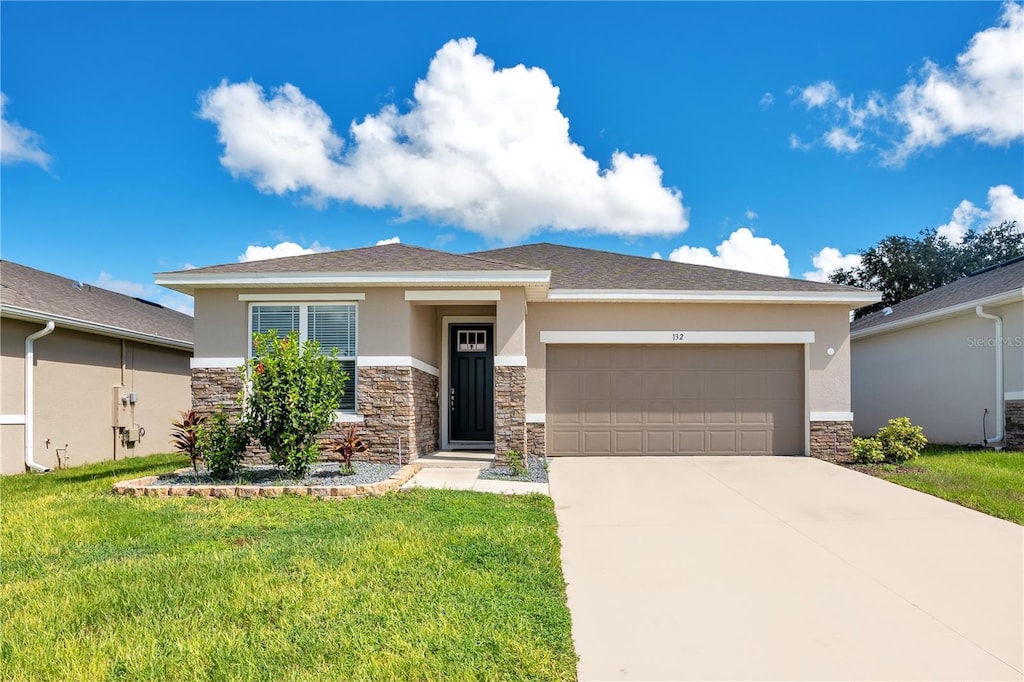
(781, 568)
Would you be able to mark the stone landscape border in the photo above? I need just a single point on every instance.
(143, 487)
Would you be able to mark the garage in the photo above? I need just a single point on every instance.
(674, 400)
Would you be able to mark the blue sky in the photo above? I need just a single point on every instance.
(139, 138)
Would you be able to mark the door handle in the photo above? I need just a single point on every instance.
(451, 399)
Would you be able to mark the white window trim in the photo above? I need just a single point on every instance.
(302, 298)
(342, 416)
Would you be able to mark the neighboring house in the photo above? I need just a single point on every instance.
(546, 348)
(108, 375)
(945, 361)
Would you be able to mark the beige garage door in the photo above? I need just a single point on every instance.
(687, 400)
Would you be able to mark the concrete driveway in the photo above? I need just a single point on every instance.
(771, 568)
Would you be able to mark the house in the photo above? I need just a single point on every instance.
(951, 359)
(546, 348)
(87, 374)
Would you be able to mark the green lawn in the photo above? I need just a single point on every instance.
(989, 481)
(415, 585)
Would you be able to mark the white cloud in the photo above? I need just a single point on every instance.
(819, 94)
(750, 214)
(1003, 205)
(482, 148)
(981, 97)
(828, 260)
(767, 100)
(389, 240)
(741, 251)
(281, 250)
(19, 144)
(796, 143)
(150, 292)
(841, 140)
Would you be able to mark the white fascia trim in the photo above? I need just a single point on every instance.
(510, 361)
(61, 321)
(679, 337)
(454, 295)
(536, 417)
(8, 419)
(831, 416)
(302, 297)
(348, 418)
(187, 281)
(396, 361)
(856, 298)
(216, 363)
(934, 315)
(1013, 395)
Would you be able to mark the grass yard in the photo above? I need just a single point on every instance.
(417, 585)
(991, 482)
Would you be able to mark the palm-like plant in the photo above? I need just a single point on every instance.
(343, 450)
(183, 436)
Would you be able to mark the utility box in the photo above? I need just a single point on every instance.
(131, 436)
(121, 416)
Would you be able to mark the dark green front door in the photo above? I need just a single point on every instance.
(471, 384)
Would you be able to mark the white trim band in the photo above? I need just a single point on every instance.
(536, 417)
(396, 361)
(831, 416)
(302, 297)
(859, 298)
(510, 361)
(1013, 395)
(454, 295)
(10, 419)
(216, 363)
(679, 337)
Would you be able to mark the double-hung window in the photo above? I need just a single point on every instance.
(332, 325)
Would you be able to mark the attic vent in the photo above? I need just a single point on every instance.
(142, 300)
(78, 285)
(886, 310)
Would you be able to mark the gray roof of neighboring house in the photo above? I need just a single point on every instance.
(993, 281)
(578, 268)
(570, 267)
(26, 288)
(384, 258)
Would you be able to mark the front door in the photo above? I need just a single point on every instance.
(471, 384)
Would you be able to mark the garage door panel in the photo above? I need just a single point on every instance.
(629, 442)
(621, 400)
(660, 442)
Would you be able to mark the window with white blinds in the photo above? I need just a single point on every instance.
(332, 325)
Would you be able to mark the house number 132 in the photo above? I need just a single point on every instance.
(677, 336)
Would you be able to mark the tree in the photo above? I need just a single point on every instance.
(295, 393)
(903, 267)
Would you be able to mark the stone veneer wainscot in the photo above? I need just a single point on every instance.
(832, 441)
(509, 410)
(1014, 424)
(398, 406)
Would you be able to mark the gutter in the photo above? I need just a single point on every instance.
(1000, 407)
(30, 315)
(935, 315)
(29, 367)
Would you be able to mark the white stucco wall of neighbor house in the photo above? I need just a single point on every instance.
(940, 374)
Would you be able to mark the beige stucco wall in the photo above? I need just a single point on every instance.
(74, 378)
(828, 378)
(941, 375)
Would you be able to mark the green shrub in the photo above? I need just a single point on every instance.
(221, 441)
(867, 451)
(295, 393)
(901, 441)
(516, 463)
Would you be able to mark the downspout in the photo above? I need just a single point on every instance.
(980, 311)
(30, 362)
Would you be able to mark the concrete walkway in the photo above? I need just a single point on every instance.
(723, 568)
(460, 471)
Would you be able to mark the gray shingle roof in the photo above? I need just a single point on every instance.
(578, 268)
(993, 281)
(35, 290)
(384, 258)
